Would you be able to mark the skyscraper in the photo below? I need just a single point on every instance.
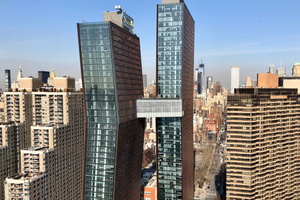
(281, 72)
(175, 68)
(145, 80)
(43, 75)
(271, 69)
(112, 81)
(7, 80)
(263, 144)
(296, 69)
(200, 78)
(235, 78)
(209, 81)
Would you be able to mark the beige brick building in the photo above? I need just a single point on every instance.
(54, 147)
(12, 140)
(263, 144)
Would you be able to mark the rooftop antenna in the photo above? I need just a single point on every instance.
(280, 62)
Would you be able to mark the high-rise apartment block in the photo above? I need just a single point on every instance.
(49, 142)
(263, 139)
(7, 80)
(112, 80)
(235, 78)
(12, 140)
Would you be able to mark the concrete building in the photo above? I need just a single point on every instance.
(263, 144)
(53, 122)
(248, 82)
(290, 82)
(7, 80)
(267, 80)
(15, 84)
(25, 186)
(78, 85)
(12, 140)
(114, 134)
(209, 82)
(145, 84)
(271, 69)
(296, 69)
(120, 18)
(235, 78)
(281, 72)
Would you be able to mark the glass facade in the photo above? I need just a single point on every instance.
(169, 50)
(159, 108)
(7, 80)
(169, 158)
(169, 85)
(98, 77)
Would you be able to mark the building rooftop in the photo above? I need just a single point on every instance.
(24, 176)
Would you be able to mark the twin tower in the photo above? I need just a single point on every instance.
(115, 109)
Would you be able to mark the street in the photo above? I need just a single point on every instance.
(216, 177)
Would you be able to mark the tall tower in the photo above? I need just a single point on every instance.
(235, 78)
(175, 69)
(7, 80)
(200, 78)
(111, 70)
(263, 144)
(271, 69)
(43, 75)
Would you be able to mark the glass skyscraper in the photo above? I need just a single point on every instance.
(7, 80)
(112, 81)
(175, 70)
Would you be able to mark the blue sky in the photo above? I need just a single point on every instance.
(42, 34)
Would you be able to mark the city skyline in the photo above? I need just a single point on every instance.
(251, 35)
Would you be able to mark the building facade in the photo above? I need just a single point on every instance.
(7, 80)
(235, 78)
(145, 80)
(112, 81)
(43, 75)
(263, 138)
(39, 113)
(175, 76)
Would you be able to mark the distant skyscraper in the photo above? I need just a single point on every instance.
(248, 82)
(235, 78)
(145, 84)
(112, 78)
(43, 75)
(200, 76)
(296, 69)
(209, 81)
(199, 83)
(281, 72)
(271, 69)
(7, 80)
(78, 84)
